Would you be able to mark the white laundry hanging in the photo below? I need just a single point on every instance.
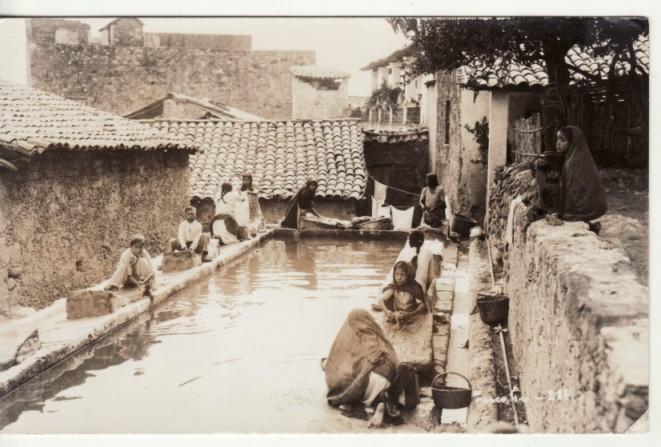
(402, 220)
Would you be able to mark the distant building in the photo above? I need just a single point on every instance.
(128, 67)
(176, 106)
(319, 92)
(75, 183)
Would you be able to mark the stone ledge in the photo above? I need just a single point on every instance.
(61, 337)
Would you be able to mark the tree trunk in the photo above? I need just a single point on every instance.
(555, 97)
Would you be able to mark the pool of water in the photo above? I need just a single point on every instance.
(238, 352)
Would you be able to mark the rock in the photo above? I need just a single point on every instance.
(92, 303)
(180, 260)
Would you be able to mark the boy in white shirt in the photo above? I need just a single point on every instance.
(134, 268)
(190, 235)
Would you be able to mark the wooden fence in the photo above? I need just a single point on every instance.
(526, 138)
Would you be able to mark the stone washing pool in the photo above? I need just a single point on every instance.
(238, 352)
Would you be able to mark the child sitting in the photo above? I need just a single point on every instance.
(402, 299)
(134, 268)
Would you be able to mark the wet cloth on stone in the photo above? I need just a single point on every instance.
(380, 191)
(384, 211)
(359, 349)
(582, 195)
(402, 219)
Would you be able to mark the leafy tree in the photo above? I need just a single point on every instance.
(449, 43)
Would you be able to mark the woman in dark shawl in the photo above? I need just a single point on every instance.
(300, 204)
(362, 363)
(582, 196)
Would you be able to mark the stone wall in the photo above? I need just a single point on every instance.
(69, 215)
(217, 41)
(122, 79)
(579, 326)
(460, 162)
(311, 102)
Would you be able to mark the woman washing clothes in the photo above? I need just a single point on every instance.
(362, 369)
(403, 299)
(301, 204)
(224, 226)
(432, 202)
(581, 195)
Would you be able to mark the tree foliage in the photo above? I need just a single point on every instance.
(449, 43)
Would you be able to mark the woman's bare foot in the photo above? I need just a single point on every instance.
(377, 419)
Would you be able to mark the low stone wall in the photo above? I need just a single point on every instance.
(68, 215)
(274, 210)
(579, 326)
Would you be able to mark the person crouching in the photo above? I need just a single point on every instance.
(134, 269)
(190, 236)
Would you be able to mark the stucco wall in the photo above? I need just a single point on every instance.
(218, 41)
(579, 325)
(308, 102)
(459, 162)
(122, 79)
(4, 273)
(69, 214)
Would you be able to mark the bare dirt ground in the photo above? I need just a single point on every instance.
(627, 220)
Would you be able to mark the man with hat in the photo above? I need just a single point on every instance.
(134, 268)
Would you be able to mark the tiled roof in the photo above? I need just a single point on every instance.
(316, 72)
(397, 136)
(34, 121)
(481, 76)
(281, 155)
(219, 111)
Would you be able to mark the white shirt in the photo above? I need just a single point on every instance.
(227, 205)
(189, 232)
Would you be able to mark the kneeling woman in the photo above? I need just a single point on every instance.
(404, 298)
(362, 368)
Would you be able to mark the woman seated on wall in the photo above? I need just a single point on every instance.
(362, 369)
(301, 204)
(581, 195)
(432, 202)
(224, 226)
(403, 299)
(248, 211)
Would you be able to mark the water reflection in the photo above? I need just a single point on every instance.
(238, 353)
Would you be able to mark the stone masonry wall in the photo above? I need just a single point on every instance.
(121, 79)
(579, 325)
(69, 215)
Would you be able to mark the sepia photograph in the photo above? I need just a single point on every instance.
(387, 224)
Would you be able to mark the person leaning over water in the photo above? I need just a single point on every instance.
(224, 225)
(190, 235)
(432, 202)
(134, 268)
(300, 204)
(362, 369)
(581, 195)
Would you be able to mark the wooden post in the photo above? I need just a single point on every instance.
(390, 118)
(498, 123)
(405, 112)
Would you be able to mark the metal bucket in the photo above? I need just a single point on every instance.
(493, 308)
(450, 397)
(462, 225)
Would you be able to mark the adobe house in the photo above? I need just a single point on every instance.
(75, 183)
(281, 155)
(319, 92)
(178, 106)
(478, 118)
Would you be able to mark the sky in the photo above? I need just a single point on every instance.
(343, 43)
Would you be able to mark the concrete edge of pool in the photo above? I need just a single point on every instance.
(61, 337)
